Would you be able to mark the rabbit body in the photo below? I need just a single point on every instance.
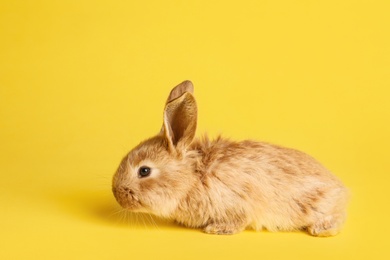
(225, 186)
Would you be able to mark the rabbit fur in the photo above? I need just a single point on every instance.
(225, 186)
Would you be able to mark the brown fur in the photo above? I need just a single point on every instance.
(225, 186)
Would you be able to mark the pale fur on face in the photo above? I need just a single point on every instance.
(225, 186)
(158, 193)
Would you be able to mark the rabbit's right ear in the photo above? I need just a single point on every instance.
(180, 118)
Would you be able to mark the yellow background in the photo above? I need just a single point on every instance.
(82, 82)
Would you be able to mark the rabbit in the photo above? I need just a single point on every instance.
(224, 186)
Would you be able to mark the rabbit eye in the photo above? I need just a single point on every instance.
(144, 171)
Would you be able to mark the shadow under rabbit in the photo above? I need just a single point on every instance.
(100, 206)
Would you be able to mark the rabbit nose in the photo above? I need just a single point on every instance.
(121, 190)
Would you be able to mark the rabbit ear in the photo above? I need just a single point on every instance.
(180, 118)
(185, 86)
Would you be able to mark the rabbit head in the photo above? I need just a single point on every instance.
(158, 173)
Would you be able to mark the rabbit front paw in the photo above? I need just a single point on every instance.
(223, 228)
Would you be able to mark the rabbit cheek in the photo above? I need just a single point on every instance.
(158, 197)
(148, 188)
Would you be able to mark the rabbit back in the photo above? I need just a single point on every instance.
(261, 185)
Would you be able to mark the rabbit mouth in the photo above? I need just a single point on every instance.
(127, 198)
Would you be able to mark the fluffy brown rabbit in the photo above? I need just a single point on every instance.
(224, 186)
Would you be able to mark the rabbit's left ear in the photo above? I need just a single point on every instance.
(180, 117)
(185, 86)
